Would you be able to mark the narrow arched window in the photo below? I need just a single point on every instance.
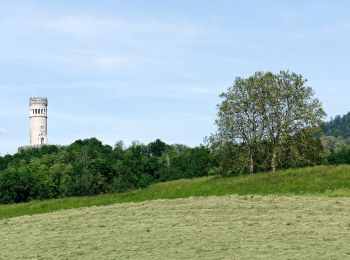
(36, 111)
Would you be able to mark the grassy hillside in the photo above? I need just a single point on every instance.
(320, 181)
(229, 227)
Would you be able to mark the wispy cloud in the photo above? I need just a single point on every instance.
(3, 131)
(130, 88)
(79, 26)
(93, 26)
(332, 31)
(91, 43)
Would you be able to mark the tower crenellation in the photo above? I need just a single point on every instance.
(38, 121)
(38, 100)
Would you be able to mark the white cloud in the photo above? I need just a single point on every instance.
(333, 31)
(75, 26)
(129, 88)
(122, 29)
(86, 26)
(192, 90)
(3, 131)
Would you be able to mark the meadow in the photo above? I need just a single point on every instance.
(327, 181)
(226, 227)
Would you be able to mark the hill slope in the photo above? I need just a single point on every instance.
(228, 227)
(322, 180)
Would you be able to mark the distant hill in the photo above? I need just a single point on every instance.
(338, 126)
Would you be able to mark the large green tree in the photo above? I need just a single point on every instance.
(266, 110)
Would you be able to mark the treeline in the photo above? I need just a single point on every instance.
(338, 126)
(87, 167)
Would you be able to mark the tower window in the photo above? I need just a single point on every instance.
(42, 111)
(36, 111)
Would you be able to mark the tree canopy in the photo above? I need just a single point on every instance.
(87, 167)
(267, 112)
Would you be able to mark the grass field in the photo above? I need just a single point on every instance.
(228, 227)
(330, 181)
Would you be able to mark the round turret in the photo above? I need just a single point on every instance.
(38, 121)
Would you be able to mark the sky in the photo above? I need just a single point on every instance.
(147, 69)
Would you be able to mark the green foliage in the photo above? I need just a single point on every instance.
(336, 143)
(305, 149)
(157, 148)
(321, 181)
(336, 150)
(87, 167)
(260, 118)
(338, 126)
(189, 163)
(17, 185)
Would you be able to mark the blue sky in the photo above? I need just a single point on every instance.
(141, 70)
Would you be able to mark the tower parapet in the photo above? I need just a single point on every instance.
(38, 100)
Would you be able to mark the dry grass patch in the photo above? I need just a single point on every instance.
(227, 227)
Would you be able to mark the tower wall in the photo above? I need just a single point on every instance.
(38, 121)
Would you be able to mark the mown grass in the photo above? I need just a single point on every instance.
(226, 227)
(320, 181)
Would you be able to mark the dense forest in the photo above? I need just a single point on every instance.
(338, 126)
(87, 167)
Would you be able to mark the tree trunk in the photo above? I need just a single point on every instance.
(251, 165)
(167, 161)
(273, 161)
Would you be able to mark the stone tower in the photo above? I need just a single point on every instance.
(38, 121)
